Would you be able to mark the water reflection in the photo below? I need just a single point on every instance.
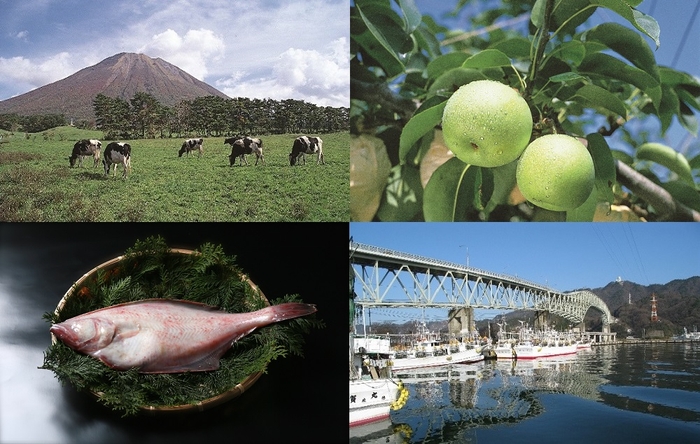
(445, 403)
(450, 404)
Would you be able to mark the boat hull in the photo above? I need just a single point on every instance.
(462, 357)
(370, 400)
(535, 351)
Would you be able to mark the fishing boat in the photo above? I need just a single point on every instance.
(373, 390)
(543, 344)
(505, 343)
(529, 344)
(427, 349)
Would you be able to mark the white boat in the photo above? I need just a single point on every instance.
(531, 345)
(583, 344)
(373, 391)
(430, 351)
(530, 350)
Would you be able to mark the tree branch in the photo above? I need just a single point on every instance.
(487, 29)
(668, 208)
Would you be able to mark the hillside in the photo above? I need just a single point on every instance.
(122, 76)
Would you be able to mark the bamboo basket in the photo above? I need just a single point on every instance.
(200, 406)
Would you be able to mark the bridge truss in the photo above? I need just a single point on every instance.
(431, 283)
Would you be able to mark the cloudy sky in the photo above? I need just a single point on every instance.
(278, 49)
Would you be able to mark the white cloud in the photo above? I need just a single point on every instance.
(302, 74)
(191, 52)
(22, 35)
(35, 73)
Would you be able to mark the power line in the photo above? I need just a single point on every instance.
(685, 34)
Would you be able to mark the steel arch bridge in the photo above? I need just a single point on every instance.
(435, 283)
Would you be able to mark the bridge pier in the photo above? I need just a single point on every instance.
(541, 319)
(460, 321)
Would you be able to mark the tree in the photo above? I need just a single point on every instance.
(584, 81)
(147, 115)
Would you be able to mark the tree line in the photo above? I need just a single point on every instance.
(31, 124)
(143, 116)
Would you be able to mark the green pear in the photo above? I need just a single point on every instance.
(556, 172)
(486, 123)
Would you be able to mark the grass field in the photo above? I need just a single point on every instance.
(37, 184)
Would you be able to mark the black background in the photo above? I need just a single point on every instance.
(298, 400)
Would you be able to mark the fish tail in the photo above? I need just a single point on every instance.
(289, 310)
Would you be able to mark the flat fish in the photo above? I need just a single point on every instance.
(166, 336)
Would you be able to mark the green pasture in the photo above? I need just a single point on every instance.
(37, 183)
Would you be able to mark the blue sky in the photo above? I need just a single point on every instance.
(563, 256)
(275, 49)
(673, 17)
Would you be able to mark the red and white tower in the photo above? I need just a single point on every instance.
(654, 317)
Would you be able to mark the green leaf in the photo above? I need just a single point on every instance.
(605, 173)
(504, 182)
(695, 163)
(596, 96)
(585, 211)
(669, 107)
(628, 44)
(444, 63)
(451, 192)
(427, 41)
(644, 23)
(567, 77)
(411, 15)
(609, 67)
(684, 193)
(668, 157)
(567, 14)
(419, 125)
(515, 48)
(689, 122)
(379, 47)
(572, 51)
(688, 98)
(403, 195)
(488, 58)
(670, 76)
(451, 80)
(622, 157)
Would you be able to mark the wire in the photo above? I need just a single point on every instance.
(685, 34)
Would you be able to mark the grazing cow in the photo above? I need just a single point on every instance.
(191, 145)
(117, 153)
(84, 148)
(241, 146)
(306, 145)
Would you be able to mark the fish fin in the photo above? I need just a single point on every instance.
(127, 330)
(289, 310)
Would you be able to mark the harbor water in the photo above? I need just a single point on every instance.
(625, 393)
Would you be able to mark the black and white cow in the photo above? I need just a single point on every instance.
(242, 146)
(117, 153)
(84, 148)
(191, 145)
(306, 145)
